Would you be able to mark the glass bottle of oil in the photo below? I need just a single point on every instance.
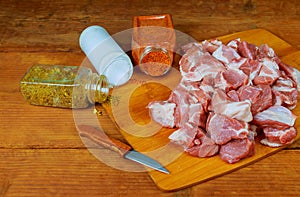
(63, 86)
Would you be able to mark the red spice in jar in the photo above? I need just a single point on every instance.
(155, 63)
(153, 42)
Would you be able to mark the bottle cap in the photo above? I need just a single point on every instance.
(106, 55)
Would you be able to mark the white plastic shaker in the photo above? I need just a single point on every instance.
(106, 55)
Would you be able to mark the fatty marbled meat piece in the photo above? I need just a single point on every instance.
(196, 115)
(184, 136)
(191, 104)
(162, 112)
(211, 46)
(260, 96)
(223, 129)
(276, 116)
(278, 137)
(291, 72)
(265, 51)
(203, 146)
(285, 92)
(265, 99)
(251, 68)
(230, 79)
(180, 97)
(198, 66)
(187, 103)
(207, 85)
(233, 95)
(225, 54)
(277, 123)
(194, 141)
(236, 150)
(247, 50)
(268, 74)
(222, 104)
(250, 93)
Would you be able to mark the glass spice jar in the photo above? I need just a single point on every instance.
(153, 42)
(63, 86)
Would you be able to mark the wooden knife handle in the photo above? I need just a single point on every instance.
(103, 140)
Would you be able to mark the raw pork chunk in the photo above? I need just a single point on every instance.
(276, 116)
(285, 92)
(225, 54)
(230, 80)
(222, 129)
(191, 104)
(222, 104)
(251, 68)
(194, 141)
(268, 74)
(236, 150)
(163, 113)
(205, 147)
(199, 65)
(184, 136)
(291, 72)
(278, 137)
(260, 97)
(247, 50)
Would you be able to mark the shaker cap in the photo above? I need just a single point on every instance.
(91, 37)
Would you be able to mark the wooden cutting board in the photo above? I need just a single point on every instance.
(128, 109)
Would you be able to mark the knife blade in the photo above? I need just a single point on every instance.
(121, 148)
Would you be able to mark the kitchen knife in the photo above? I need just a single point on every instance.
(115, 145)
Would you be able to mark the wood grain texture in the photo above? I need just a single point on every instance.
(41, 153)
(56, 25)
(74, 172)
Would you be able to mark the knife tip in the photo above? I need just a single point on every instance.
(164, 170)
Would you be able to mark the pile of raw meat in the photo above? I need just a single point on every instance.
(228, 96)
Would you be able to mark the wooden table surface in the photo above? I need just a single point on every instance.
(41, 153)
